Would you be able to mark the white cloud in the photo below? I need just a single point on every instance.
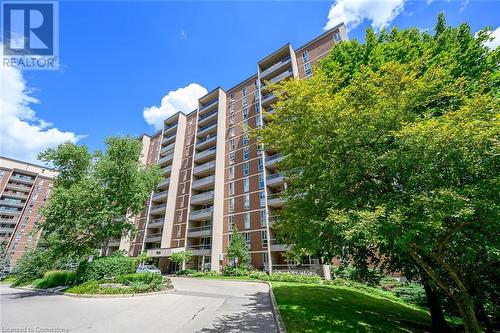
(353, 12)
(22, 134)
(493, 44)
(184, 100)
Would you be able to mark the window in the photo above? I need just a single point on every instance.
(231, 172)
(231, 188)
(263, 237)
(232, 157)
(231, 96)
(336, 37)
(260, 148)
(245, 153)
(183, 188)
(262, 199)
(186, 162)
(262, 215)
(180, 216)
(258, 121)
(246, 139)
(178, 231)
(231, 205)
(231, 119)
(232, 145)
(182, 202)
(261, 181)
(230, 225)
(245, 112)
(246, 221)
(245, 124)
(231, 132)
(244, 91)
(248, 238)
(261, 164)
(246, 201)
(246, 185)
(265, 259)
(42, 182)
(185, 175)
(307, 70)
(245, 169)
(257, 105)
(305, 56)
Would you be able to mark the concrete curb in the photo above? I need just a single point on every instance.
(53, 292)
(277, 315)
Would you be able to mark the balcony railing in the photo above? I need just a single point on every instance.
(156, 223)
(202, 198)
(12, 202)
(204, 154)
(167, 170)
(19, 187)
(6, 210)
(160, 195)
(204, 167)
(23, 178)
(157, 209)
(168, 138)
(203, 182)
(273, 159)
(202, 228)
(4, 230)
(169, 128)
(275, 66)
(167, 148)
(207, 128)
(275, 177)
(166, 159)
(153, 237)
(201, 214)
(164, 183)
(200, 247)
(267, 98)
(201, 118)
(15, 194)
(275, 200)
(207, 106)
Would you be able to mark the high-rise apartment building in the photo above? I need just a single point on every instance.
(216, 177)
(24, 189)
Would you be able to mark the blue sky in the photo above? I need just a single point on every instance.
(119, 58)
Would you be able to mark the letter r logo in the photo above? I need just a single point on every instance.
(28, 28)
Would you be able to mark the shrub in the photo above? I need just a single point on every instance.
(235, 271)
(55, 279)
(89, 287)
(32, 265)
(371, 277)
(412, 293)
(186, 272)
(154, 281)
(299, 278)
(106, 268)
(258, 275)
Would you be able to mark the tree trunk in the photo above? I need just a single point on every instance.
(466, 309)
(436, 308)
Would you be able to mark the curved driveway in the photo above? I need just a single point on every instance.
(195, 306)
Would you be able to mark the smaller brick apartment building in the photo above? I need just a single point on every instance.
(24, 189)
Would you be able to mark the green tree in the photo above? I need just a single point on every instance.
(93, 193)
(391, 151)
(181, 257)
(237, 250)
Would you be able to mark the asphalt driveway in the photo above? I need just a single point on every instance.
(195, 306)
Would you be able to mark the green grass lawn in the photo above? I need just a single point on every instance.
(315, 308)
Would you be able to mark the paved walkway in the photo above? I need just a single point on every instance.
(196, 306)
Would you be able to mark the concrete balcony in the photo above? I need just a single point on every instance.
(166, 149)
(169, 129)
(281, 76)
(203, 120)
(169, 139)
(153, 238)
(156, 223)
(5, 230)
(12, 203)
(164, 183)
(203, 231)
(275, 247)
(23, 179)
(8, 221)
(274, 180)
(202, 198)
(207, 107)
(205, 155)
(17, 195)
(208, 129)
(166, 159)
(272, 161)
(271, 220)
(267, 99)
(206, 142)
(159, 209)
(201, 214)
(200, 250)
(204, 169)
(166, 170)
(160, 196)
(18, 187)
(203, 183)
(275, 200)
(6, 211)
(273, 68)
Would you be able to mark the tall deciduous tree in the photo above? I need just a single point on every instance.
(93, 193)
(391, 151)
(237, 250)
